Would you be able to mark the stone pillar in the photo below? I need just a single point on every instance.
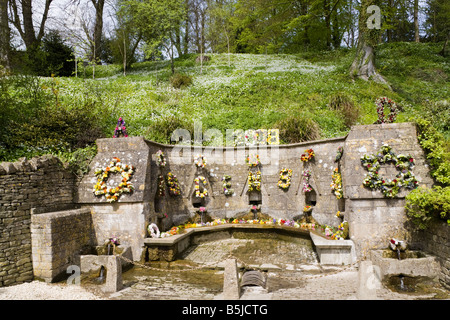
(369, 280)
(114, 280)
(231, 290)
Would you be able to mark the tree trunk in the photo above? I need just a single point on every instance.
(28, 29)
(443, 52)
(98, 29)
(416, 21)
(363, 65)
(5, 35)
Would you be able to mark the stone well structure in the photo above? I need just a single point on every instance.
(47, 220)
(372, 218)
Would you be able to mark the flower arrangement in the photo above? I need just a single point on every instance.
(307, 209)
(306, 176)
(340, 151)
(113, 241)
(285, 178)
(113, 193)
(336, 184)
(227, 185)
(200, 161)
(381, 104)
(160, 159)
(254, 161)
(404, 164)
(204, 192)
(308, 155)
(172, 183)
(335, 233)
(216, 222)
(120, 129)
(161, 187)
(254, 181)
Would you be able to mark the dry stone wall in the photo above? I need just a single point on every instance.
(41, 184)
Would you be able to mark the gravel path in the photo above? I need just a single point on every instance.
(38, 290)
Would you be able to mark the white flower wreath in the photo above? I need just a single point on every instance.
(153, 230)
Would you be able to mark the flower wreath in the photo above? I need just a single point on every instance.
(227, 185)
(308, 155)
(200, 161)
(306, 186)
(160, 159)
(336, 184)
(381, 104)
(113, 193)
(285, 175)
(254, 181)
(172, 183)
(255, 161)
(198, 193)
(153, 230)
(404, 164)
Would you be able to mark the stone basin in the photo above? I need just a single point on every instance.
(333, 252)
(92, 263)
(413, 264)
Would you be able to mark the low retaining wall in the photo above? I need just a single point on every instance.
(57, 239)
(41, 183)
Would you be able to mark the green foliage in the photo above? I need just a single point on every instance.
(298, 129)
(437, 155)
(162, 129)
(346, 108)
(35, 122)
(180, 81)
(422, 205)
(79, 159)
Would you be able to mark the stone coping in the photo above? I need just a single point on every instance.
(169, 241)
(59, 214)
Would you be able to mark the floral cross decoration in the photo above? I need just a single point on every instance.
(390, 188)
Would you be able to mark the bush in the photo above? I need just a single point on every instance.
(180, 81)
(347, 109)
(433, 143)
(422, 205)
(298, 129)
(161, 130)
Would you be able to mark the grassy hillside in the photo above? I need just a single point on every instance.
(300, 94)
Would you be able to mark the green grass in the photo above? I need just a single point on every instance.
(245, 91)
